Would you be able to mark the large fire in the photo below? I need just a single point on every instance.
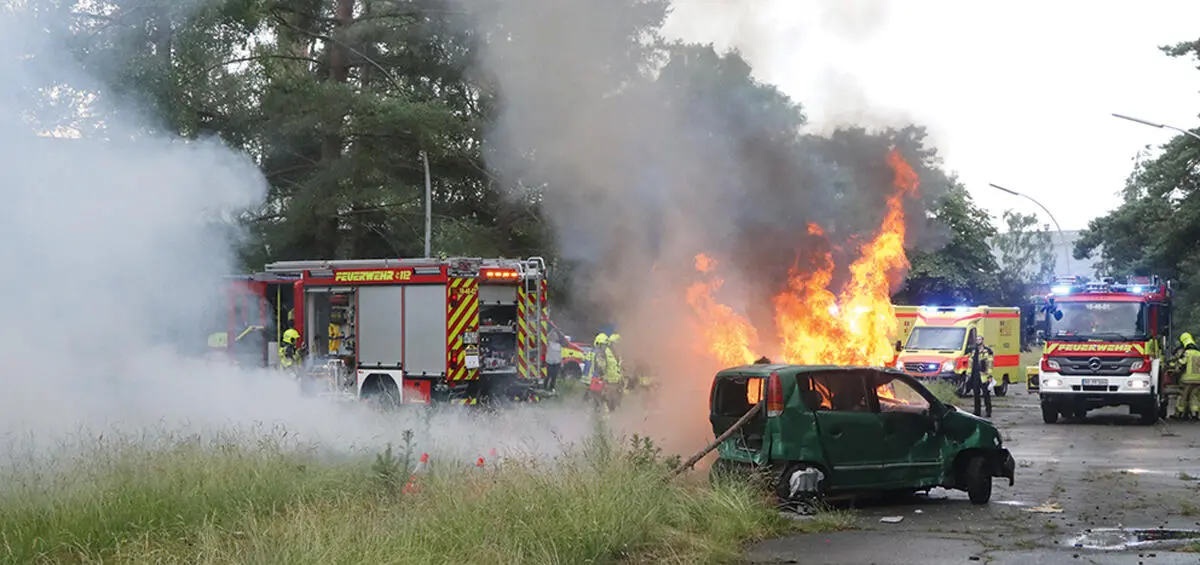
(813, 324)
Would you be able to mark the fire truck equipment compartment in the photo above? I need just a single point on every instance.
(424, 349)
(381, 325)
(497, 294)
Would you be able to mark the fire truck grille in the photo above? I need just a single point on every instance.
(1090, 365)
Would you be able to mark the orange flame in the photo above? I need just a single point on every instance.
(814, 325)
(728, 336)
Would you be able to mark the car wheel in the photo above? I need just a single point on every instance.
(978, 480)
(1049, 413)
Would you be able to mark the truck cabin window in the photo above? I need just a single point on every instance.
(1103, 320)
(943, 339)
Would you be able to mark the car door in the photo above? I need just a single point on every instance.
(911, 449)
(850, 431)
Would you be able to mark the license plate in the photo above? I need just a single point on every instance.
(1095, 382)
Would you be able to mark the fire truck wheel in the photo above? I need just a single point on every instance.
(571, 371)
(1148, 415)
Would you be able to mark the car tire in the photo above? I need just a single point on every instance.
(1049, 414)
(978, 480)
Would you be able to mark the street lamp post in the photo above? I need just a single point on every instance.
(1061, 235)
(1157, 125)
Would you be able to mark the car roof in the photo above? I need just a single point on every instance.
(794, 369)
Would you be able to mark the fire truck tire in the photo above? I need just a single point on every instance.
(1148, 415)
(1049, 413)
(978, 480)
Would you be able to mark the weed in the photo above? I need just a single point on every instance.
(1186, 477)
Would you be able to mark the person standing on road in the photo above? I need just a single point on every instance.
(981, 376)
(1187, 406)
(553, 358)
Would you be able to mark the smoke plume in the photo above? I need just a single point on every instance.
(116, 236)
(641, 172)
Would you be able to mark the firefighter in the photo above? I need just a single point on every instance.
(597, 369)
(1187, 406)
(289, 348)
(598, 344)
(614, 385)
(981, 376)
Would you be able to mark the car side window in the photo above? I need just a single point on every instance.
(839, 392)
(898, 396)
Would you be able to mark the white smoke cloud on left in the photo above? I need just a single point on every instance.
(111, 240)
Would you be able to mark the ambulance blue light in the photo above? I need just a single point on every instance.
(1136, 290)
(1061, 290)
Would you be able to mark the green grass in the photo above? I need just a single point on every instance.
(214, 501)
(944, 391)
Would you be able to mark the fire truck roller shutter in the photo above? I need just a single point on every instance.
(490, 294)
(380, 330)
(425, 330)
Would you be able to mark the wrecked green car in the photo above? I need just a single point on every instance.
(831, 430)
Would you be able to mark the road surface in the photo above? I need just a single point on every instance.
(1105, 490)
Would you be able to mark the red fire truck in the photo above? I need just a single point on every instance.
(1105, 346)
(406, 330)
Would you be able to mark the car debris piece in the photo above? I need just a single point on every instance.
(1047, 508)
(891, 519)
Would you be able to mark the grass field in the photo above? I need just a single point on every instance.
(192, 500)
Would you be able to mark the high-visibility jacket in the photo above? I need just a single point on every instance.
(1191, 366)
(288, 347)
(612, 369)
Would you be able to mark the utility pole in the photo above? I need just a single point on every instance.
(428, 204)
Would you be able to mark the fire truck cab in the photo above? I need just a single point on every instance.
(1105, 347)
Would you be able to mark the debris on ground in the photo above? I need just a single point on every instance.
(891, 519)
(1047, 508)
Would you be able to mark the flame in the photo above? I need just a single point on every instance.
(814, 325)
(727, 335)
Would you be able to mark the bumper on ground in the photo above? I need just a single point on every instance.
(1008, 467)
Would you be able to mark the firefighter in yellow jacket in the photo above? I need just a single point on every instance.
(614, 385)
(1187, 406)
(289, 348)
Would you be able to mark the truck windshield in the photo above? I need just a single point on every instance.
(1101, 320)
(937, 338)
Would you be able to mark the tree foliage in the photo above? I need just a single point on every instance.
(1157, 225)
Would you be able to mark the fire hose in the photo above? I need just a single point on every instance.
(691, 462)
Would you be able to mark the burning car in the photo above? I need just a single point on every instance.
(824, 430)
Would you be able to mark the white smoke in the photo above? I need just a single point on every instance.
(114, 236)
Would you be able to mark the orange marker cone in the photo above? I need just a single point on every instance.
(412, 487)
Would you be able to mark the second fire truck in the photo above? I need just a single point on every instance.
(456, 330)
(1105, 347)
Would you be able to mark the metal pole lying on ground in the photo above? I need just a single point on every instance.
(691, 462)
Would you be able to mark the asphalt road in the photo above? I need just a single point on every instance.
(1104, 490)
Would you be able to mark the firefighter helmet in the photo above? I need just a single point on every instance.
(1186, 339)
(601, 339)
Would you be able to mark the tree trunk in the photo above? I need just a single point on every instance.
(328, 236)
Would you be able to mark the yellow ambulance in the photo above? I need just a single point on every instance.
(940, 340)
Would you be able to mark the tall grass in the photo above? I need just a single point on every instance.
(212, 501)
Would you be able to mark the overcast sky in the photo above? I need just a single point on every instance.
(1016, 93)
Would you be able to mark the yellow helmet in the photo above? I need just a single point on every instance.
(614, 338)
(1186, 339)
(601, 339)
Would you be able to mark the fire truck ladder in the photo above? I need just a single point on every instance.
(533, 270)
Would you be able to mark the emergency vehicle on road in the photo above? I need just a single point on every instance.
(940, 341)
(1105, 347)
(404, 330)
